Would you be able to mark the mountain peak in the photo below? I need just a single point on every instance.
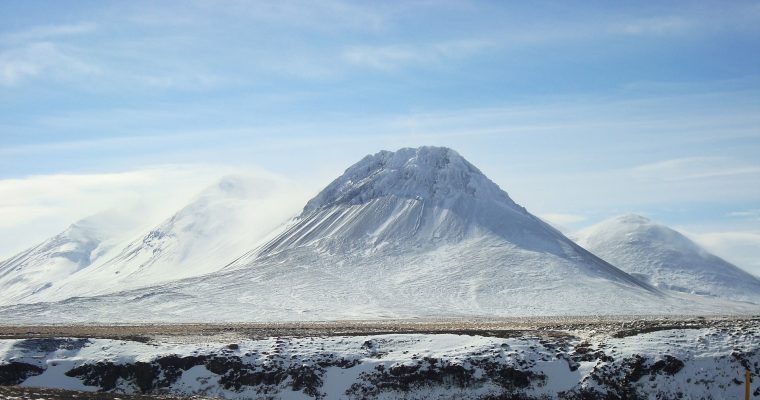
(630, 228)
(424, 173)
(633, 219)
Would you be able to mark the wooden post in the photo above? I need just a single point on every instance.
(746, 384)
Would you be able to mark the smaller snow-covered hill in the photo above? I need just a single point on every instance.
(667, 259)
(35, 271)
(97, 255)
(217, 226)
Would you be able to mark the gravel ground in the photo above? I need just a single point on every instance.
(616, 326)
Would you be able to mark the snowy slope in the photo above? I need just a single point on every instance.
(417, 200)
(35, 272)
(667, 259)
(417, 232)
(217, 226)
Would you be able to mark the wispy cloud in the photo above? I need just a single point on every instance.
(738, 247)
(36, 207)
(324, 16)
(562, 219)
(691, 168)
(393, 57)
(183, 80)
(563, 222)
(42, 60)
(46, 32)
(658, 25)
(753, 214)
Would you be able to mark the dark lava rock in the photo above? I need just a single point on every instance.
(106, 374)
(16, 372)
(233, 373)
(669, 365)
(48, 345)
(435, 372)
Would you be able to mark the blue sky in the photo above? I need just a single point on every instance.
(580, 110)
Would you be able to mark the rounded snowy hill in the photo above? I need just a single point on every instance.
(667, 259)
(38, 270)
(99, 255)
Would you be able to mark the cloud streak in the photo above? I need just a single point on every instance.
(33, 208)
(42, 60)
(741, 248)
(694, 168)
(395, 57)
(45, 32)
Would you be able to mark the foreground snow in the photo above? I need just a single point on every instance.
(708, 362)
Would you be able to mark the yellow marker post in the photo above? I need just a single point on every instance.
(746, 384)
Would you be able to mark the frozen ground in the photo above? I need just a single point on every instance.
(570, 358)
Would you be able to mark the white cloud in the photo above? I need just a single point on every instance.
(41, 59)
(741, 248)
(13, 71)
(657, 25)
(35, 208)
(690, 168)
(392, 57)
(182, 80)
(562, 219)
(565, 223)
(753, 214)
(50, 31)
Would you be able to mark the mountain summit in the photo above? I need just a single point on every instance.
(418, 198)
(437, 175)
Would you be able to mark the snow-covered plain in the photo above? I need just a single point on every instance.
(706, 362)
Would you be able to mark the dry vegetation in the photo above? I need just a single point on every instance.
(506, 327)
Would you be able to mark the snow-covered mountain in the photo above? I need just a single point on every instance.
(217, 226)
(412, 233)
(667, 259)
(32, 273)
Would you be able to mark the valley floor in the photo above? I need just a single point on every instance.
(523, 358)
(611, 325)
